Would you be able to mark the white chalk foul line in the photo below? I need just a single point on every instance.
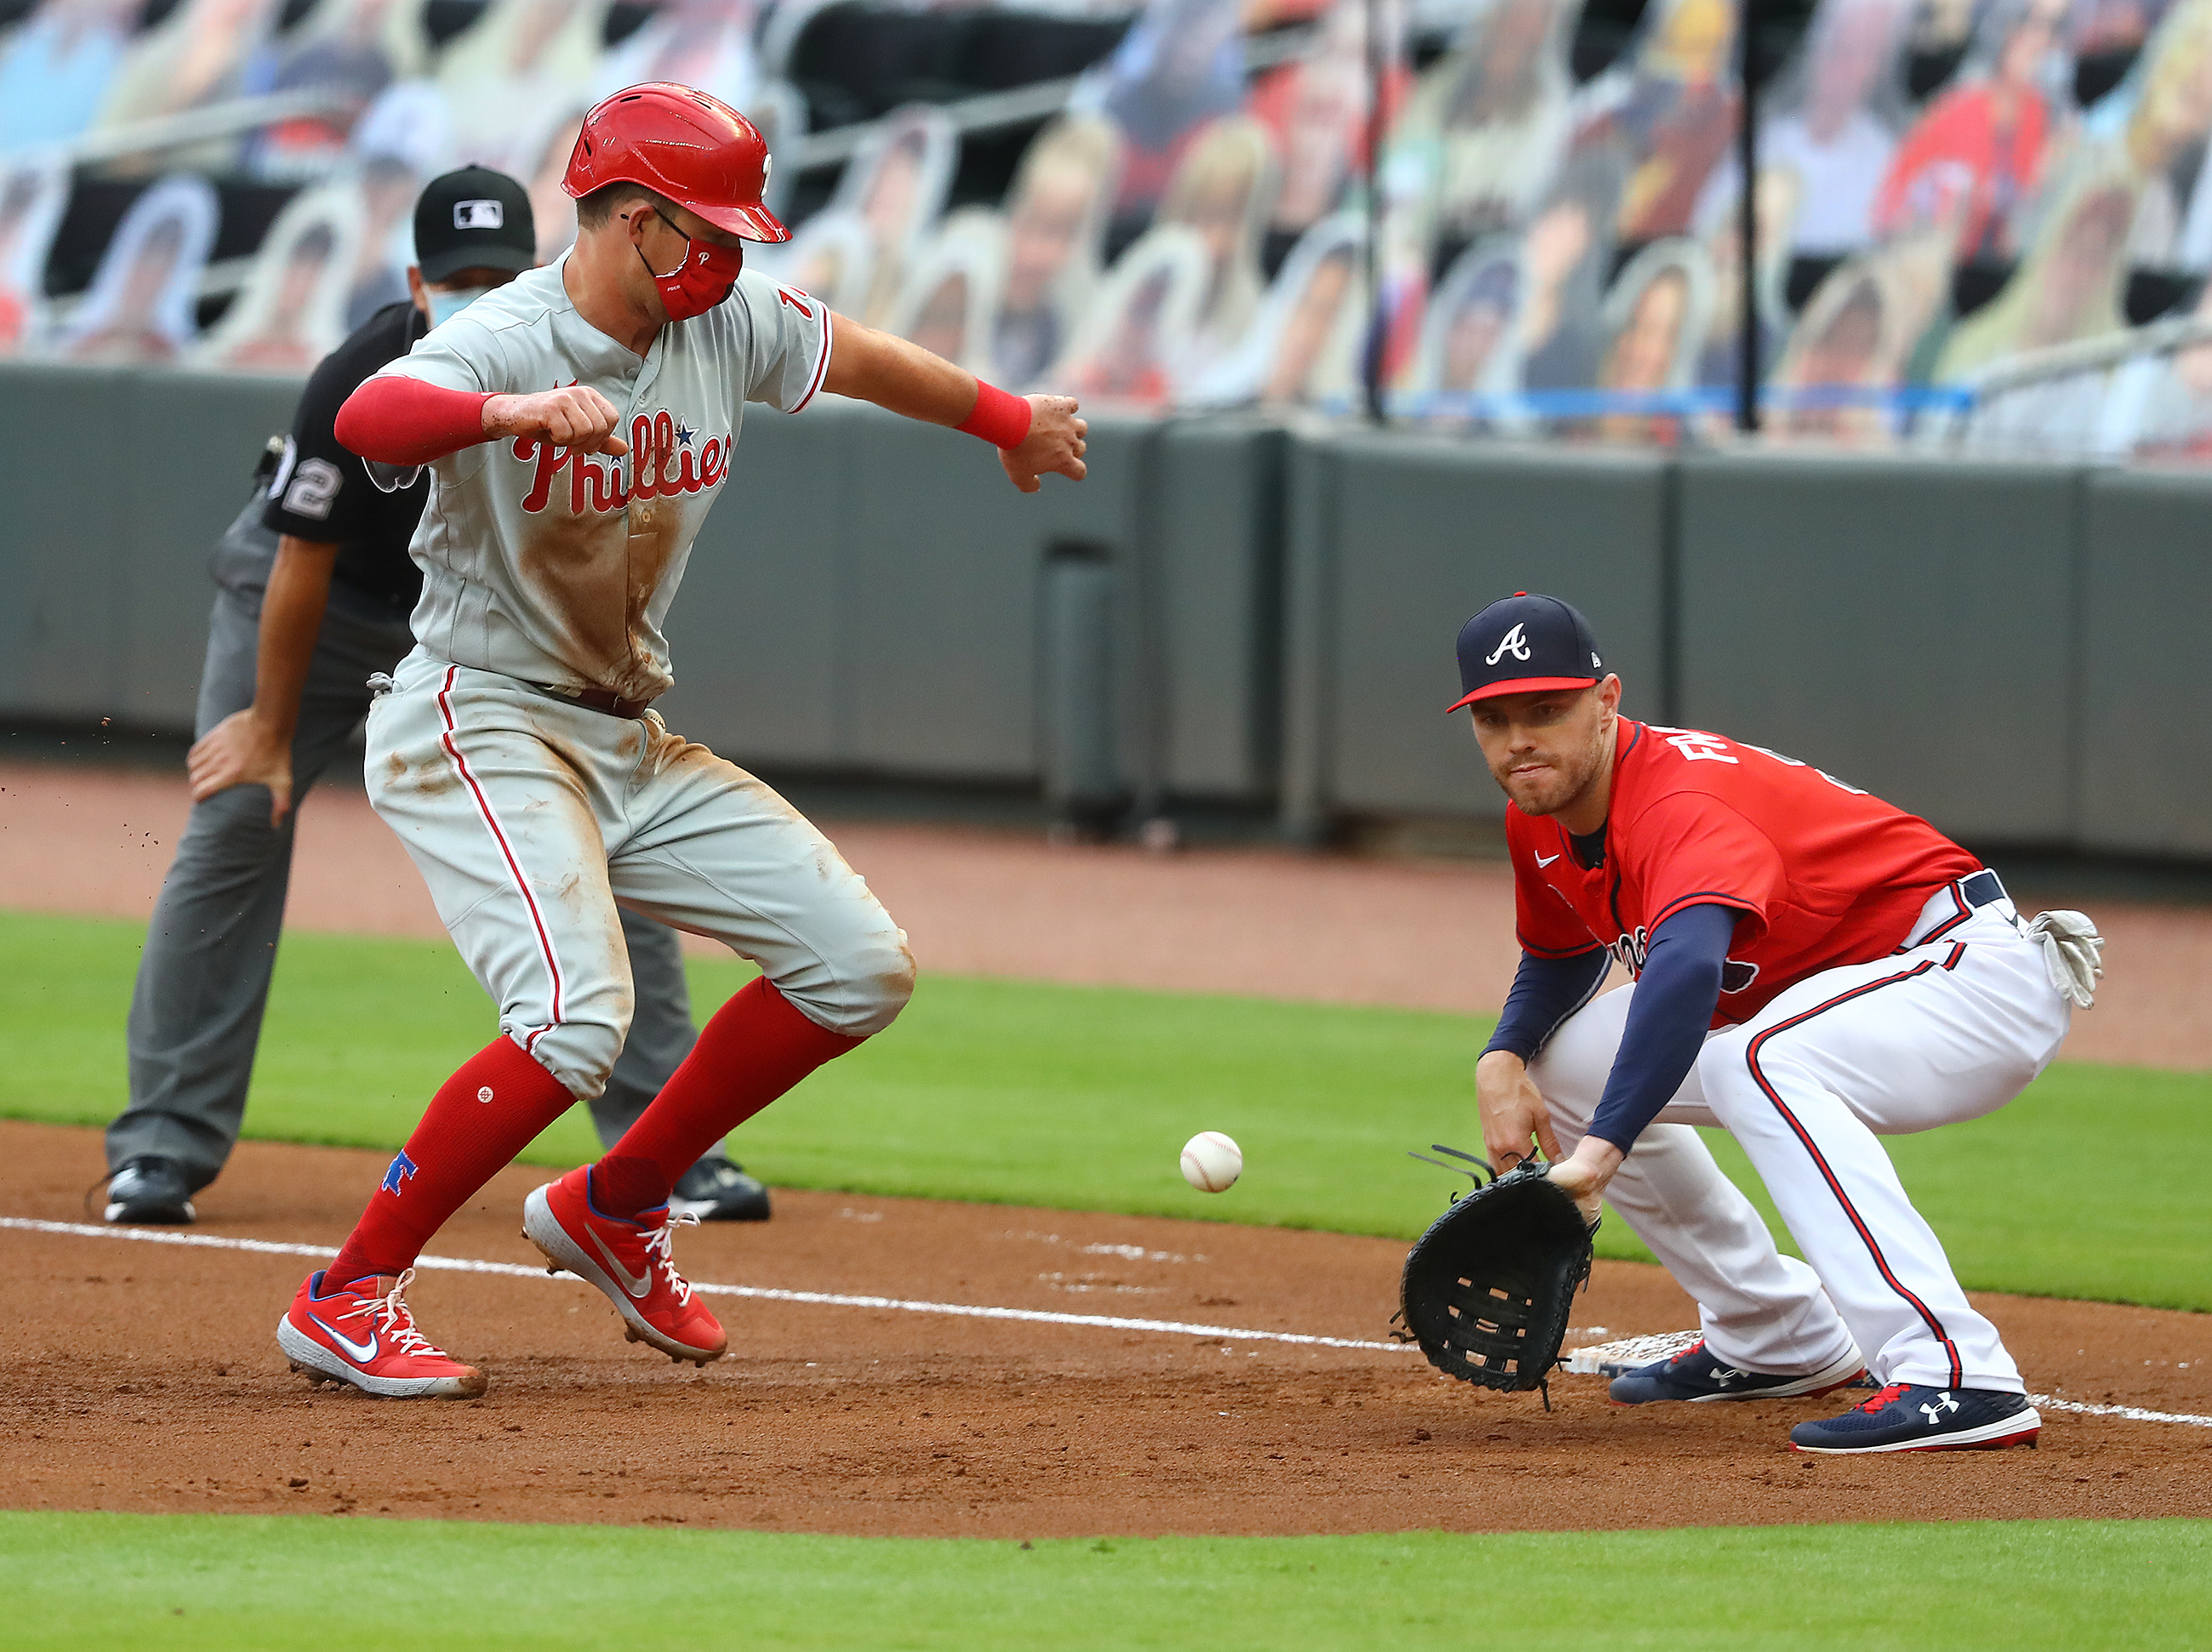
(2134, 1414)
(958, 1310)
(761, 1293)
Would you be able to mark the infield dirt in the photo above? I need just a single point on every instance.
(145, 1376)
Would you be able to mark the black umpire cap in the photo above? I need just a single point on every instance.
(1526, 645)
(474, 219)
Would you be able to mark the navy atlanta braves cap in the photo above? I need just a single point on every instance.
(1526, 645)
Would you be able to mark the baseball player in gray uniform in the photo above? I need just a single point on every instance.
(314, 585)
(578, 424)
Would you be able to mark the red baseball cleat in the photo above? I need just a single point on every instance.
(364, 1333)
(628, 1259)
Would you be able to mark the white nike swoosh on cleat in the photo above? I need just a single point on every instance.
(359, 1352)
(638, 1286)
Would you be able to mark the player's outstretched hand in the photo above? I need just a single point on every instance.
(1513, 1111)
(577, 417)
(1053, 447)
(239, 751)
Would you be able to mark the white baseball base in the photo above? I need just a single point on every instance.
(1612, 1359)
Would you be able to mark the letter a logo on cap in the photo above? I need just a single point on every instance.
(1541, 650)
(479, 214)
(1512, 643)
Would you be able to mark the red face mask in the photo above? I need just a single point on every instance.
(703, 280)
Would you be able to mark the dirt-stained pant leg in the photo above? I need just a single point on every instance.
(506, 800)
(711, 849)
(1759, 1309)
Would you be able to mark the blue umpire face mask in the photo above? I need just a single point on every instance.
(444, 306)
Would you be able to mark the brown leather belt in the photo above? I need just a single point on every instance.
(605, 700)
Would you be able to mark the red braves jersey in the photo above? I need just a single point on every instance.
(1824, 874)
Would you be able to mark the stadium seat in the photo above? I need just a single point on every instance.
(56, 69)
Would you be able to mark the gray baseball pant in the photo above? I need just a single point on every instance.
(204, 978)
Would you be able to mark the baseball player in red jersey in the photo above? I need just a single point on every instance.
(577, 424)
(1811, 967)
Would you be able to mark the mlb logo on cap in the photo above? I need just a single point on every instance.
(1526, 645)
(474, 219)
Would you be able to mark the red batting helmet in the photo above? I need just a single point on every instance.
(678, 143)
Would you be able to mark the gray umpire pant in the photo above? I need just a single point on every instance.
(204, 978)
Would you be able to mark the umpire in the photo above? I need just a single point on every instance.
(314, 590)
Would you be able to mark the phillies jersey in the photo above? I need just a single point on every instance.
(557, 567)
(1823, 873)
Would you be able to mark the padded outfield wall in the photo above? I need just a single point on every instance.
(1229, 610)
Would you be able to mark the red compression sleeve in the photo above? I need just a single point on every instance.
(406, 422)
(1000, 418)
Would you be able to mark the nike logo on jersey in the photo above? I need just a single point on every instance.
(1512, 643)
(639, 1285)
(1546, 860)
(359, 1352)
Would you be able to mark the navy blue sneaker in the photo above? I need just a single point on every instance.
(1697, 1373)
(1908, 1416)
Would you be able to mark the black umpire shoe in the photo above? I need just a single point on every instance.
(150, 1189)
(717, 1189)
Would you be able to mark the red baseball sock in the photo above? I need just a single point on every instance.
(755, 1047)
(479, 1119)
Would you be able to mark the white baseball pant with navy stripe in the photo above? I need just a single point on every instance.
(532, 817)
(1949, 1030)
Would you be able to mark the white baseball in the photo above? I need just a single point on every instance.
(1211, 1163)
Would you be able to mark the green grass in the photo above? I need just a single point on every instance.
(214, 1581)
(1079, 1097)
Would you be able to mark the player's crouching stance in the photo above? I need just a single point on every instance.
(1814, 967)
(514, 753)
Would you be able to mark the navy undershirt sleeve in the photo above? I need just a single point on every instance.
(1667, 1020)
(1546, 992)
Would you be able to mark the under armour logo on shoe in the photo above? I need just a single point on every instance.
(1934, 1412)
(402, 1168)
(1724, 1374)
(1512, 643)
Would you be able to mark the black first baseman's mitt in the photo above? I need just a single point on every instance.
(1487, 1290)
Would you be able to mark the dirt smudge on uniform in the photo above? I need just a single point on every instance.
(897, 981)
(656, 527)
(574, 761)
(771, 800)
(596, 572)
(427, 778)
(574, 566)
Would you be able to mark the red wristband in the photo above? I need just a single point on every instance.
(1000, 418)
